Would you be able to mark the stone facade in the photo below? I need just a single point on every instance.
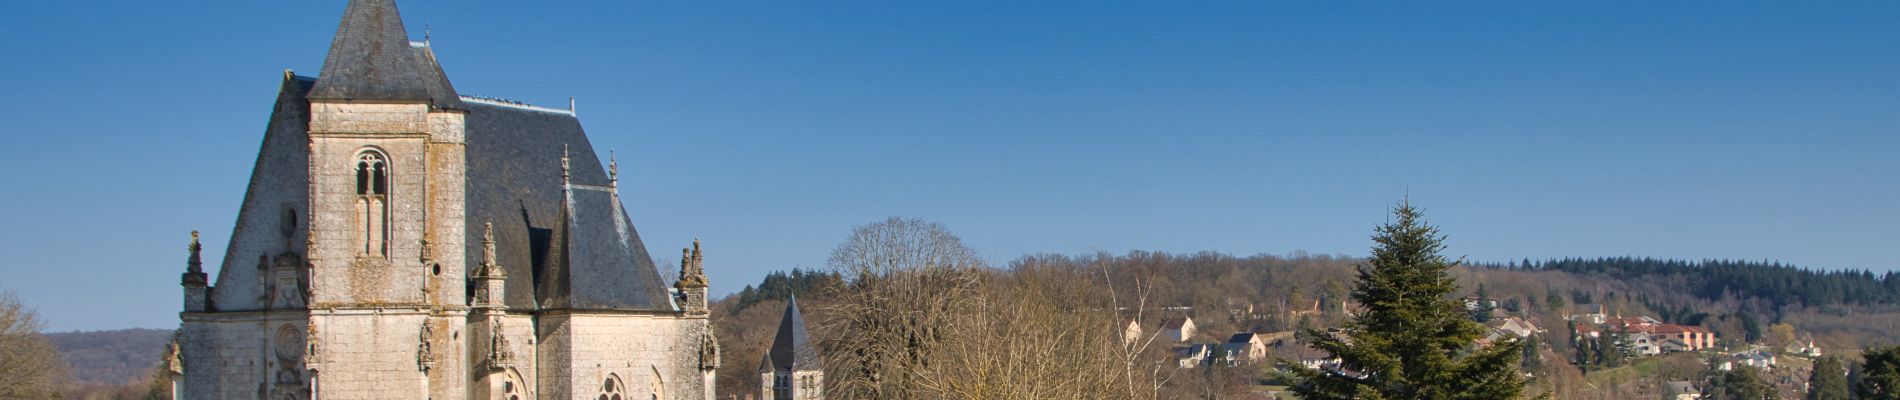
(352, 272)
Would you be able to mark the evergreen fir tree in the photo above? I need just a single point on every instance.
(1413, 342)
(1482, 313)
(1828, 381)
(1879, 376)
(1741, 383)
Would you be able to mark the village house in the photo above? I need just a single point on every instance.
(1193, 355)
(1475, 303)
(1131, 333)
(1804, 347)
(1177, 329)
(1754, 358)
(1587, 313)
(1514, 326)
(1244, 347)
(1313, 358)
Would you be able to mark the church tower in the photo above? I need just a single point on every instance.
(352, 272)
(386, 214)
(791, 369)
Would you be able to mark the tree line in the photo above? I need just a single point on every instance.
(1778, 283)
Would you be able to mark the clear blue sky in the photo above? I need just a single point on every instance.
(1680, 129)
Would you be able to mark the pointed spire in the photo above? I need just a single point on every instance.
(371, 59)
(792, 348)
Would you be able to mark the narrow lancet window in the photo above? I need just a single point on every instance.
(372, 203)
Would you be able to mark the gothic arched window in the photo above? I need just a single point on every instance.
(508, 391)
(610, 390)
(372, 202)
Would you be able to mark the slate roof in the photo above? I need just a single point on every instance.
(791, 348)
(562, 247)
(371, 60)
(576, 249)
(1174, 323)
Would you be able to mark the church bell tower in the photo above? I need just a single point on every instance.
(387, 227)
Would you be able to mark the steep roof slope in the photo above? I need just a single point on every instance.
(371, 60)
(791, 348)
(561, 250)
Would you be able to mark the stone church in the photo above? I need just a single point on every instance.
(401, 241)
(791, 369)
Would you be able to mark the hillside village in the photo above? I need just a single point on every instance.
(415, 241)
(1590, 340)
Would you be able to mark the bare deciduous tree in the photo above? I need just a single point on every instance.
(908, 278)
(30, 368)
(921, 317)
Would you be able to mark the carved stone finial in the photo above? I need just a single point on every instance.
(195, 264)
(427, 253)
(489, 268)
(709, 352)
(613, 170)
(500, 357)
(425, 356)
(696, 257)
(564, 176)
(692, 270)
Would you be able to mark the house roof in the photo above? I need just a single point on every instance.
(1242, 337)
(1174, 323)
(1193, 351)
(371, 59)
(791, 348)
(1680, 387)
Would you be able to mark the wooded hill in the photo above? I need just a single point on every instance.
(1844, 311)
(1776, 283)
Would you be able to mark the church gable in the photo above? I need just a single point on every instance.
(271, 220)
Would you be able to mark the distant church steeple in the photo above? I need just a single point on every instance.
(791, 369)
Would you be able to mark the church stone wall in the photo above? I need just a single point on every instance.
(448, 210)
(646, 351)
(369, 354)
(341, 277)
(239, 355)
(519, 330)
(369, 118)
(220, 359)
